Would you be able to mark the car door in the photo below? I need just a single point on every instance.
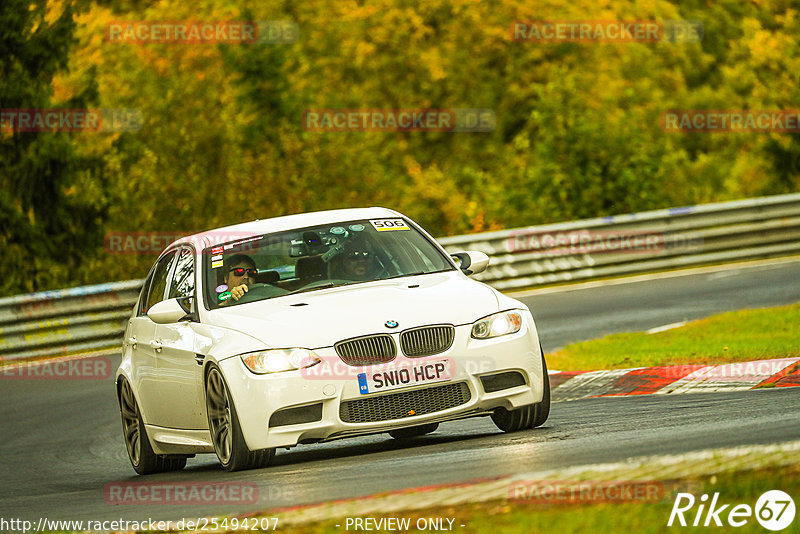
(180, 369)
(141, 337)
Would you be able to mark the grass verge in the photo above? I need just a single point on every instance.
(743, 487)
(743, 335)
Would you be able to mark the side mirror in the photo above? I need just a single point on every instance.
(471, 261)
(168, 311)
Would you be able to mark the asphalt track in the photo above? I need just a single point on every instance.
(566, 317)
(61, 443)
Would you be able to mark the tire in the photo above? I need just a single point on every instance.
(526, 417)
(414, 431)
(140, 452)
(226, 432)
(543, 408)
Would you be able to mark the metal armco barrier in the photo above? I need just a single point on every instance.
(638, 242)
(63, 321)
(93, 317)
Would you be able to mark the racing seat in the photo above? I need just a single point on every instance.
(268, 277)
(311, 268)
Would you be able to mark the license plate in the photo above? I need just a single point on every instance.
(426, 372)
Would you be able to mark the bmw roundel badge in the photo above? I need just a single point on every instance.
(391, 324)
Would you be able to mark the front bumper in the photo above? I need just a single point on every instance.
(321, 391)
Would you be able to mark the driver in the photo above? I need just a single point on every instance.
(240, 272)
(357, 262)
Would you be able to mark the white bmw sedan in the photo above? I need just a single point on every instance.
(314, 327)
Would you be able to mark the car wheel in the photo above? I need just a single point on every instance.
(527, 416)
(140, 453)
(414, 431)
(542, 409)
(226, 432)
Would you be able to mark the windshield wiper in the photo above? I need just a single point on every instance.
(405, 274)
(304, 289)
(414, 274)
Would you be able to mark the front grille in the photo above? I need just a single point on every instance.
(367, 350)
(427, 340)
(398, 405)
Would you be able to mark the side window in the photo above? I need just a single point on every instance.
(142, 305)
(159, 281)
(182, 284)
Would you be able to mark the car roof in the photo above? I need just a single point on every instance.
(280, 224)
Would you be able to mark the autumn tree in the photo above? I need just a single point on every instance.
(51, 202)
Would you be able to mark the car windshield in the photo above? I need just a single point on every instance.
(317, 257)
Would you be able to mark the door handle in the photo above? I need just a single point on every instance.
(156, 344)
(131, 341)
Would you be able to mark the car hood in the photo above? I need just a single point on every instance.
(320, 318)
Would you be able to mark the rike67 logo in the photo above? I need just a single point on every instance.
(774, 510)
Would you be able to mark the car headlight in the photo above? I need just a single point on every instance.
(499, 324)
(279, 360)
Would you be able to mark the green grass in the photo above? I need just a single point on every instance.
(729, 337)
(523, 517)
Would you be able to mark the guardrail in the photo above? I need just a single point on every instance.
(637, 242)
(58, 322)
(86, 318)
